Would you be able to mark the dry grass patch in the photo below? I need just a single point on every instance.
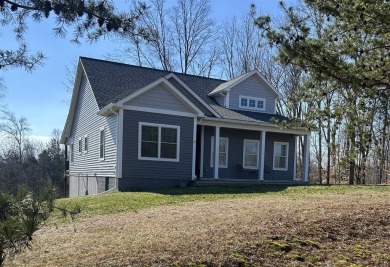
(349, 229)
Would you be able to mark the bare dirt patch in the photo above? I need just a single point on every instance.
(316, 230)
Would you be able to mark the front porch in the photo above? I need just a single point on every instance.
(249, 153)
(208, 182)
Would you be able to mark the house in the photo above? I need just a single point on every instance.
(133, 127)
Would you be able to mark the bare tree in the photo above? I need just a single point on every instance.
(15, 128)
(193, 30)
(182, 38)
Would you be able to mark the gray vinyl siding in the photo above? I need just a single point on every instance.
(220, 99)
(138, 174)
(253, 87)
(188, 95)
(159, 97)
(87, 122)
(235, 154)
(270, 139)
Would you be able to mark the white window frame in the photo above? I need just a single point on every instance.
(80, 146)
(248, 98)
(257, 154)
(85, 143)
(102, 145)
(221, 139)
(287, 150)
(71, 153)
(159, 126)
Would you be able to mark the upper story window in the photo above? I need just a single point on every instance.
(102, 144)
(252, 103)
(158, 142)
(80, 146)
(86, 143)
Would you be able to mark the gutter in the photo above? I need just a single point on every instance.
(260, 124)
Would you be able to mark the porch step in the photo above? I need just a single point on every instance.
(206, 182)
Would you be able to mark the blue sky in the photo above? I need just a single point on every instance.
(41, 95)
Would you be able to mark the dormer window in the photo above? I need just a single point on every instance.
(247, 102)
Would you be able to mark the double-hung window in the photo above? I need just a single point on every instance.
(80, 145)
(86, 143)
(102, 144)
(251, 154)
(254, 103)
(223, 152)
(158, 142)
(281, 156)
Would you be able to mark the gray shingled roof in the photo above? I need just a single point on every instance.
(243, 115)
(112, 81)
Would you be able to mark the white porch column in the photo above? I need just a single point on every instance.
(216, 152)
(194, 149)
(201, 151)
(295, 158)
(262, 155)
(306, 158)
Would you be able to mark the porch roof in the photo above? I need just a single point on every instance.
(243, 115)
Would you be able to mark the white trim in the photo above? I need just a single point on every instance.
(262, 155)
(102, 129)
(159, 111)
(257, 154)
(216, 153)
(226, 139)
(172, 75)
(227, 99)
(251, 98)
(86, 142)
(201, 151)
(163, 81)
(120, 144)
(255, 126)
(273, 156)
(158, 158)
(80, 146)
(275, 105)
(295, 158)
(194, 149)
(306, 158)
(72, 108)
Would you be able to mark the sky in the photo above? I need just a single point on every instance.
(41, 95)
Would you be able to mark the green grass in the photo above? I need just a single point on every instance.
(264, 225)
(135, 201)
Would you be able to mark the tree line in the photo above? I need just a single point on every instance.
(27, 162)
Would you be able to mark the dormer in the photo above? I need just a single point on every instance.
(251, 92)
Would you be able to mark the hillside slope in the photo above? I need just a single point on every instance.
(335, 227)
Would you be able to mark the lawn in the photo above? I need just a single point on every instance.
(221, 226)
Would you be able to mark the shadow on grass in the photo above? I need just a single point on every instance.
(219, 189)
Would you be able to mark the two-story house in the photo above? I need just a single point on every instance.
(132, 127)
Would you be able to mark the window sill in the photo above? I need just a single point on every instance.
(158, 159)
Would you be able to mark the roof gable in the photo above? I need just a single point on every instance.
(225, 87)
(175, 93)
